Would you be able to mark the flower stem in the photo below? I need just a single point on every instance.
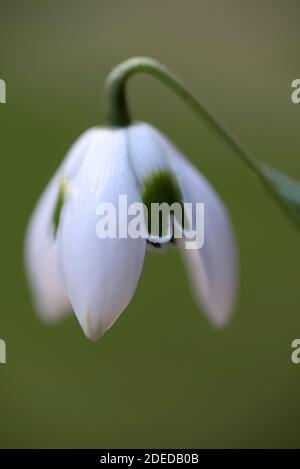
(117, 114)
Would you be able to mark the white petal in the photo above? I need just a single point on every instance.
(100, 275)
(146, 156)
(165, 239)
(213, 268)
(40, 260)
(40, 245)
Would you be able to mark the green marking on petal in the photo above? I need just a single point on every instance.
(63, 185)
(160, 188)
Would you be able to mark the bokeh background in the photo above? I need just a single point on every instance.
(161, 377)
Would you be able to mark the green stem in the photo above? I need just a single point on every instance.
(118, 115)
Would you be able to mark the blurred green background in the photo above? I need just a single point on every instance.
(161, 377)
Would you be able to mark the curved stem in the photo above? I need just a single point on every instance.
(117, 114)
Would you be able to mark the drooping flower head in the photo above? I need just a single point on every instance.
(70, 266)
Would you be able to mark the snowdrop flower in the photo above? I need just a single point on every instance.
(70, 266)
